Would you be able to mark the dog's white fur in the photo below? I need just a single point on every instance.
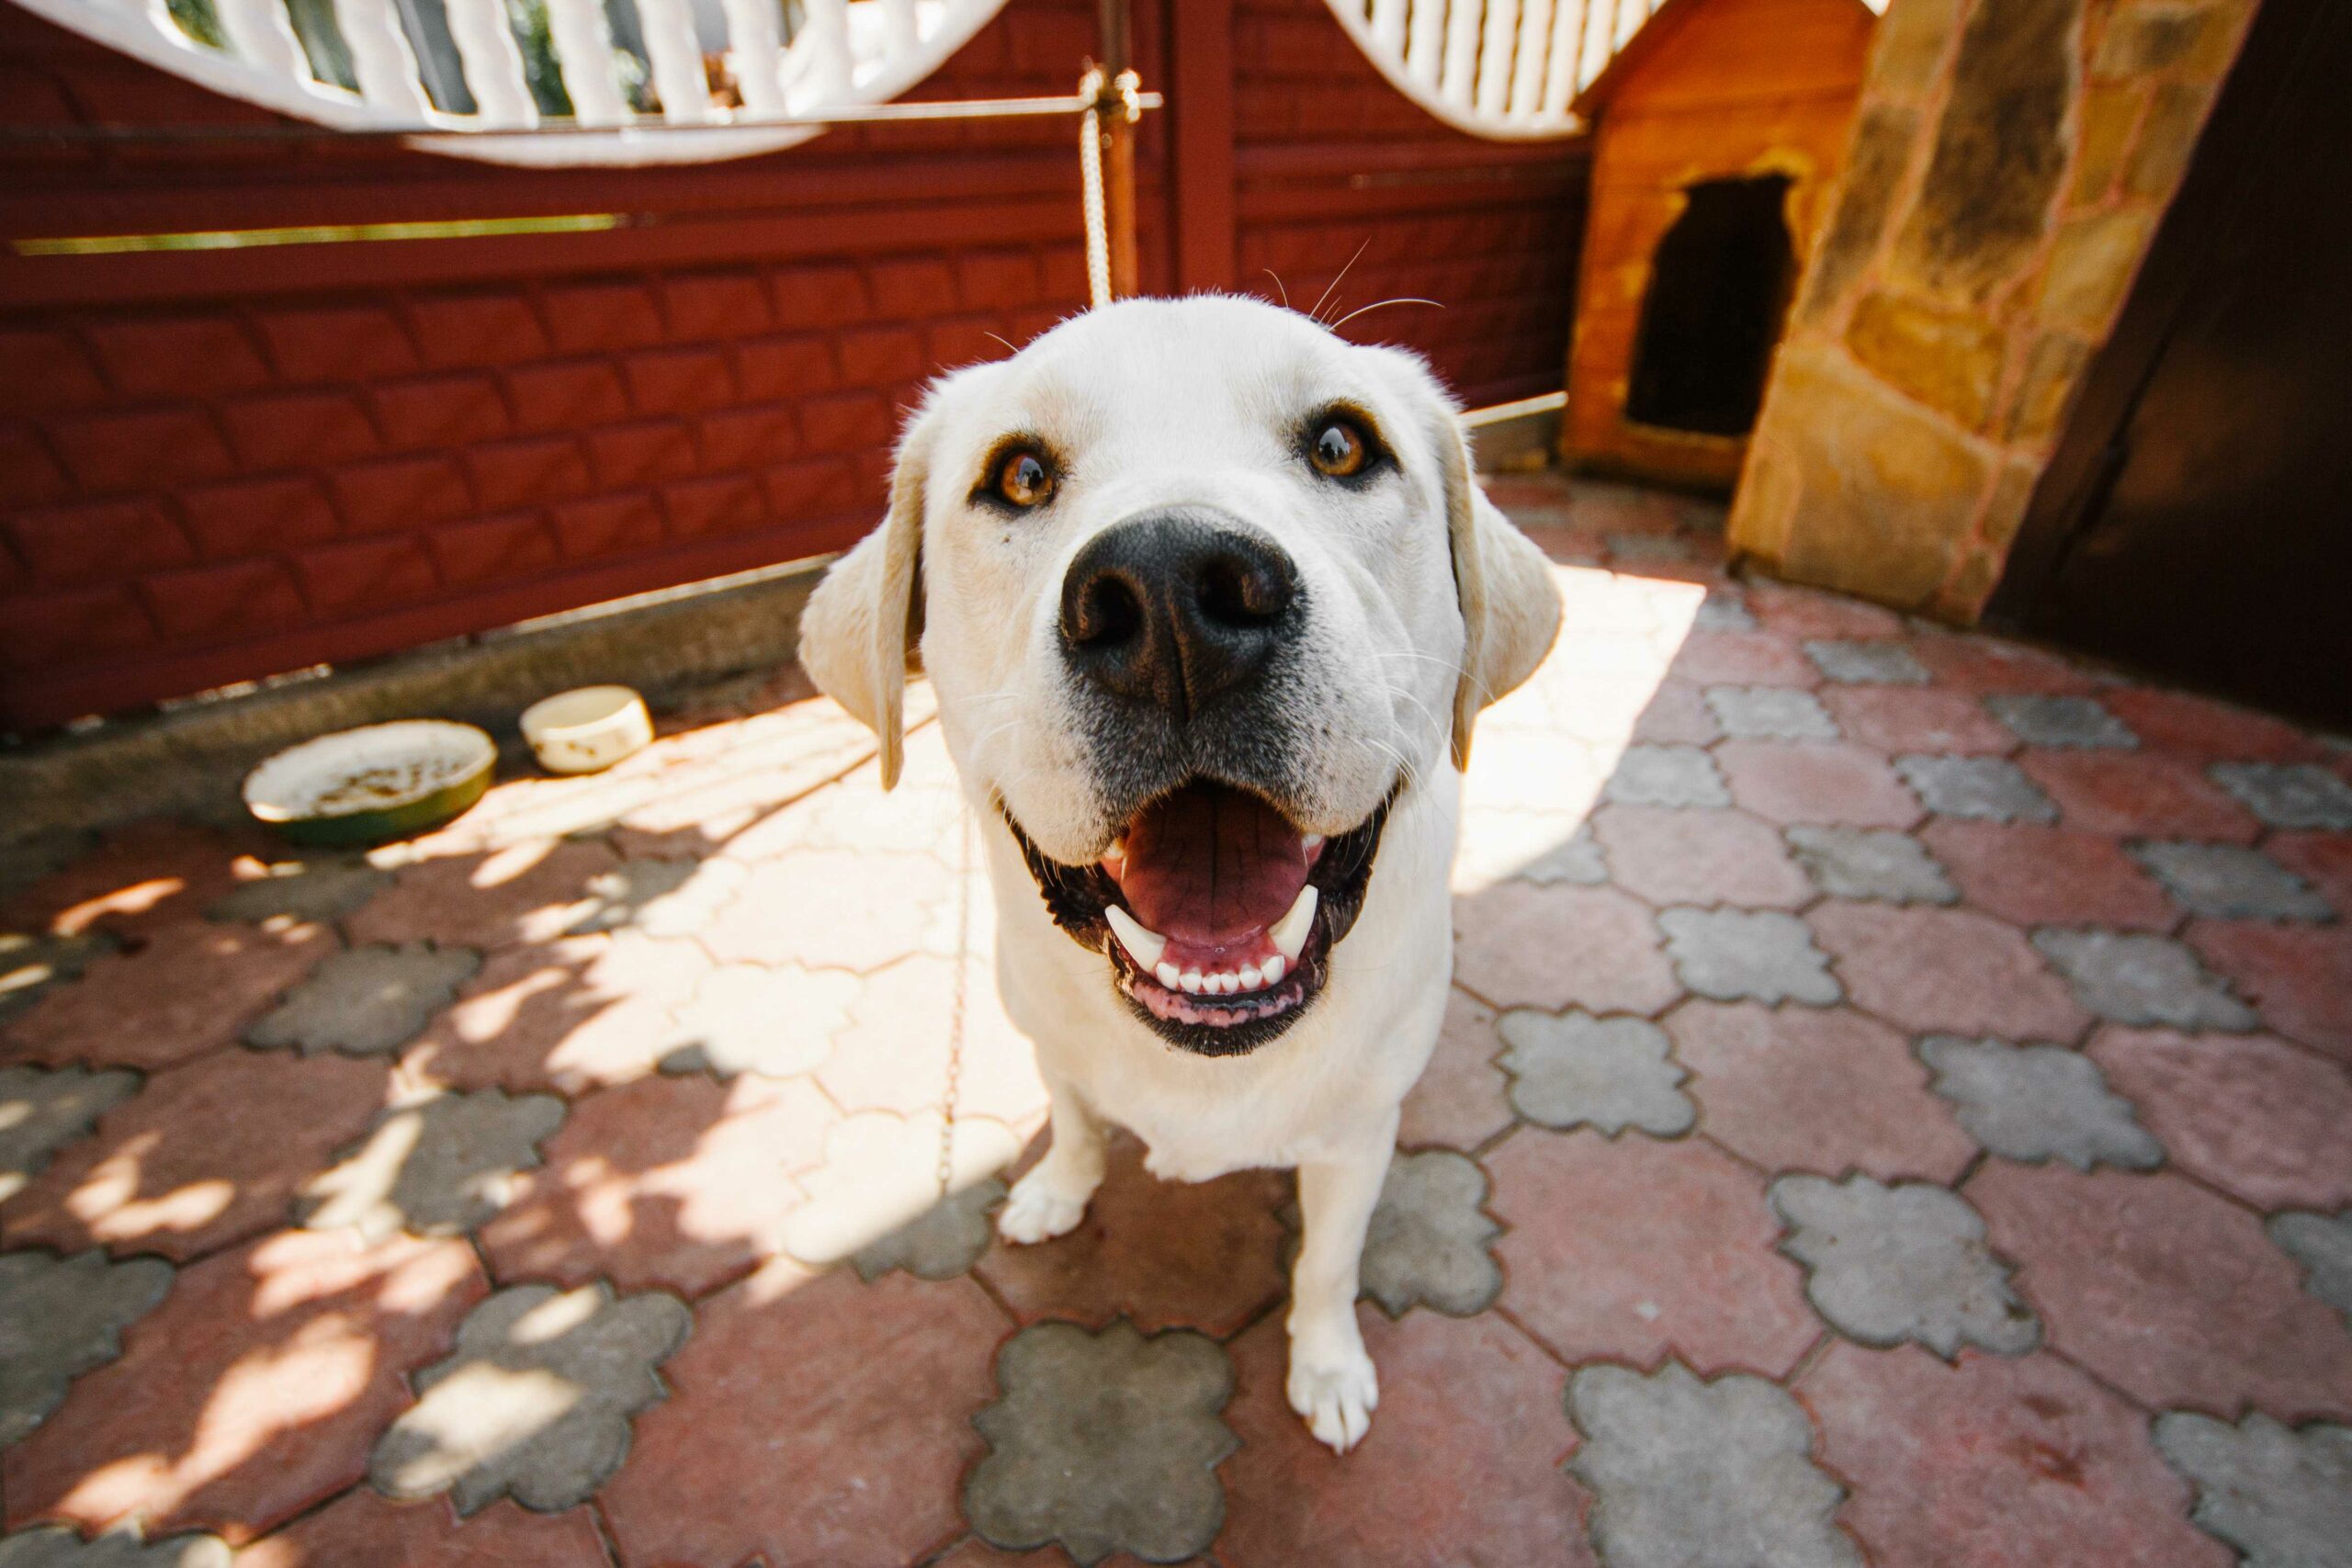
(1427, 605)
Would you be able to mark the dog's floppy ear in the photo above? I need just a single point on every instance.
(861, 625)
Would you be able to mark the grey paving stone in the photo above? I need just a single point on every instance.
(2137, 978)
(50, 1546)
(2039, 1102)
(1576, 1070)
(942, 1242)
(439, 1167)
(2283, 1497)
(42, 1111)
(1991, 787)
(1103, 1442)
(308, 891)
(367, 1001)
(2076, 723)
(1576, 860)
(1910, 1262)
(1866, 663)
(1722, 610)
(2231, 882)
(1666, 775)
(1649, 546)
(1770, 713)
(661, 898)
(30, 964)
(1737, 955)
(2298, 794)
(1871, 863)
(25, 858)
(60, 1317)
(535, 1400)
(1691, 1475)
(748, 1018)
(2324, 1246)
(1428, 1241)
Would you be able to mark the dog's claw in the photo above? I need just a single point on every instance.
(1040, 1207)
(1335, 1389)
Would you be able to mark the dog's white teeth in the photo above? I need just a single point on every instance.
(1276, 967)
(1290, 932)
(1311, 842)
(1190, 981)
(1228, 984)
(1252, 977)
(1167, 975)
(1143, 945)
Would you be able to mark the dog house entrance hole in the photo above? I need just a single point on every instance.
(1719, 286)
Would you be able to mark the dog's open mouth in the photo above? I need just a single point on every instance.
(1217, 914)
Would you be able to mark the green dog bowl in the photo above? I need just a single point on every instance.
(367, 785)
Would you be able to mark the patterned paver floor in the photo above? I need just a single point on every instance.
(1894, 1109)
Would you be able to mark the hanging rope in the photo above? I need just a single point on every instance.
(1090, 165)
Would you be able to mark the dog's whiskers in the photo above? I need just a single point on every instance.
(1316, 315)
(1382, 305)
(1270, 272)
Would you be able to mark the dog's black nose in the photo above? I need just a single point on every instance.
(1174, 607)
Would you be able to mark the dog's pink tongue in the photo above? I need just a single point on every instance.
(1210, 864)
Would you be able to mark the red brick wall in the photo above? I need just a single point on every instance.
(215, 466)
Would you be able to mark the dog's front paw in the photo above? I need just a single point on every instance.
(1042, 1205)
(1333, 1386)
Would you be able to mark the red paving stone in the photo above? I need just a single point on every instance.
(1744, 658)
(206, 1154)
(1165, 1253)
(877, 909)
(1462, 1464)
(1671, 856)
(2324, 860)
(2259, 1118)
(1676, 713)
(892, 1055)
(1520, 945)
(1998, 1463)
(1948, 970)
(1831, 784)
(1983, 665)
(1810, 1090)
(1459, 1102)
(811, 1420)
(364, 1528)
(1807, 613)
(563, 1016)
(2167, 1290)
(2038, 876)
(1904, 720)
(2140, 795)
(2181, 721)
(141, 876)
(526, 892)
(1625, 1249)
(255, 1390)
(2299, 977)
(185, 988)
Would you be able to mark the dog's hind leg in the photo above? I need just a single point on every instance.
(1051, 1200)
(1332, 1384)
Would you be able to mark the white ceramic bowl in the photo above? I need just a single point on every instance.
(363, 786)
(586, 731)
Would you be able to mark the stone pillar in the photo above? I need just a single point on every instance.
(2010, 159)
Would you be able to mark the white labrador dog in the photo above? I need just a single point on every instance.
(1210, 600)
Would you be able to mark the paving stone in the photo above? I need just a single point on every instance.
(49, 1547)
(1866, 863)
(1732, 956)
(1499, 844)
(2033, 873)
(1770, 713)
(1530, 769)
(2296, 794)
(1946, 970)
(299, 1333)
(1795, 1089)
(31, 963)
(1625, 1250)
(1866, 663)
(747, 1018)
(1462, 1098)
(1887, 1265)
(2141, 794)
(1756, 658)
(1676, 713)
(301, 891)
(2253, 1116)
(1721, 610)
(1429, 1240)
(1831, 783)
(1996, 1461)
(2231, 882)
(2299, 976)
(1704, 1475)
(526, 892)
(1809, 612)
(1984, 664)
(1905, 719)
(2077, 723)
(367, 1001)
(1519, 945)
(142, 876)
(59, 1318)
(1103, 1442)
(188, 987)
(1462, 1464)
(40, 1113)
(1666, 775)
(2324, 1246)
(942, 1242)
(1698, 857)
(1576, 1070)
(2142, 979)
(861, 1395)
(661, 898)
(2131, 1274)
(2039, 1102)
(440, 1165)
(2283, 1497)
(2324, 860)
(879, 1174)
(2204, 727)
(1993, 788)
(363, 1529)
(207, 1154)
(535, 1402)
(833, 909)
(894, 1053)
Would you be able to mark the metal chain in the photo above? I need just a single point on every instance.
(957, 991)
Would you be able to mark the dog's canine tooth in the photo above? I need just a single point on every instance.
(1190, 981)
(1290, 932)
(1167, 975)
(1143, 945)
(1310, 842)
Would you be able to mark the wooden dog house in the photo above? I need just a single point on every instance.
(1717, 134)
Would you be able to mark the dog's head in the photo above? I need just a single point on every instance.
(1202, 588)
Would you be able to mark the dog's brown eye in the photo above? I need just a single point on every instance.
(1023, 478)
(1339, 449)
